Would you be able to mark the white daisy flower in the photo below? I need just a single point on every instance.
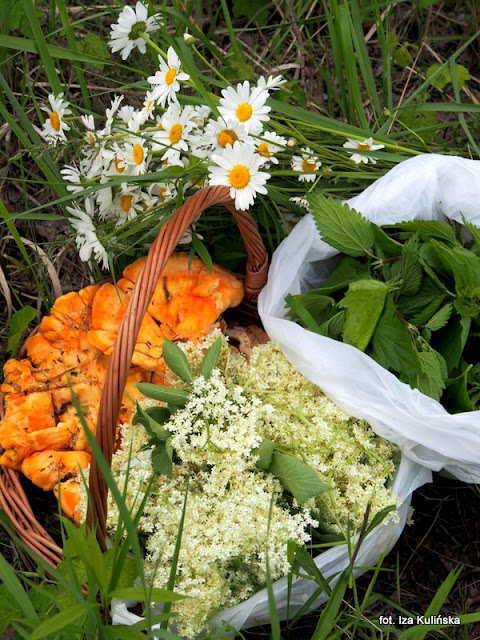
(238, 168)
(272, 82)
(89, 124)
(245, 106)
(268, 145)
(110, 113)
(220, 133)
(126, 32)
(72, 175)
(161, 192)
(362, 145)
(54, 126)
(136, 156)
(201, 115)
(166, 81)
(176, 123)
(301, 202)
(308, 164)
(128, 203)
(87, 240)
(137, 120)
(149, 104)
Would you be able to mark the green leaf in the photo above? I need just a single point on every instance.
(348, 270)
(329, 616)
(457, 392)
(445, 77)
(402, 55)
(311, 308)
(462, 264)
(333, 328)
(176, 397)
(152, 419)
(210, 359)
(304, 560)
(18, 323)
(380, 517)
(10, 609)
(177, 361)
(426, 229)
(154, 594)
(385, 246)
(431, 374)
(411, 270)
(94, 46)
(392, 345)
(202, 251)
(162, 457)
(364, 302)
(297, 477)
(264, 452)
(440, 319)
(340, 226)
(60, 621)
(451, 342)
(474, 230)
(14, 586)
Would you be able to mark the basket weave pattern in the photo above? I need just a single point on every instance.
(12, 496)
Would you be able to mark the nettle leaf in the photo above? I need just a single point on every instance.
(177, 361)
(364, 303)
(311, 308)
(411, 269)
(348, 270)
(333, 328)
(297, 477)
(265, 453)
(440, 319)
(340, 226)
(432, 375)
(452, 340)
(392, 345)
(162, 458)
(176, 397)
(210, 359)
(298, 311)
(462, 264)
(426, 229)
(385, 245)
(474, 230)
(457, 392)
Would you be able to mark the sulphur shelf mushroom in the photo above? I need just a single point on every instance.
(41, 433)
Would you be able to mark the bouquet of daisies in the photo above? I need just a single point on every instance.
(136, 161)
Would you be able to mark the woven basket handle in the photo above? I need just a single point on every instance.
(119, 366)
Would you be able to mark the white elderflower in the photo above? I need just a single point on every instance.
(308, 164)
(126, 32)
(362, 145)
(237, 167)
(245, 105)
(173, 137)
(87, 240)
(268, 144)
(166, 82)
(55, 126)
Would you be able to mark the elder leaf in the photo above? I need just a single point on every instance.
(177, 361)
(364, 302)
(340, 226)
(265, 453)
(162, 457)
(176, 397)
(297, 477)
(392, 345)
(152, 420)
(210, 359)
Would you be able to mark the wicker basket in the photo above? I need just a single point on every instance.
(13, 499)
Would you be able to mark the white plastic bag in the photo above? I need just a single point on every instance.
(426, 187)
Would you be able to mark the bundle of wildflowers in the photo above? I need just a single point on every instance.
(259, 455)
(137, 160)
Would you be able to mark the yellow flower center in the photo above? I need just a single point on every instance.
(239, 176)
(227, 136)
(308, 165)
(149, 105)
(126, 202)
(118, 165)
(364, 147)
(138, 153)
(170, 76)
(263, 150)
(175, 133)
(55, 120)
(91, 137)
(161, 193)
(244, 111)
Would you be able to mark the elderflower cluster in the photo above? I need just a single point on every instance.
(235, 512)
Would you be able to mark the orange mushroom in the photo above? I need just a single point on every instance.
(41, 433)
